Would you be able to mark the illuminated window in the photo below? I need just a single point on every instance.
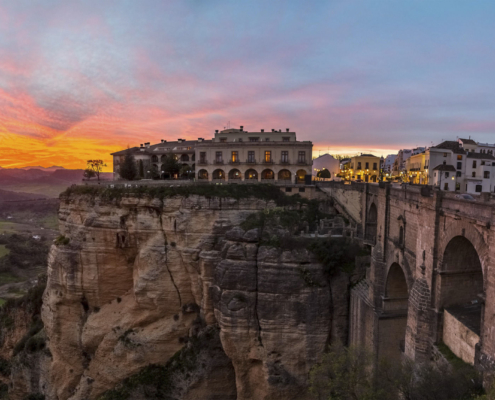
(268, 156)
(459, 157)
(235, 156)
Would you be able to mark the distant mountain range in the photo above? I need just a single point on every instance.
(36, 180)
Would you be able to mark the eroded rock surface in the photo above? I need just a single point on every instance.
(136, 275)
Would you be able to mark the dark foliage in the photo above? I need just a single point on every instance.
(128, 169)
(337, 253)
(25, 252)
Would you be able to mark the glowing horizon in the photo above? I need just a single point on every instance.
(79, 81)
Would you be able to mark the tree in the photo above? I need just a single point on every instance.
(89, 173)
(128, 168)
(155, 173)
(171, 166)
(324, 173)
(96, 166)
(186, 170)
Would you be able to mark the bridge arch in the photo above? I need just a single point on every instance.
(371, 223)
(392, 327)
(460, 297)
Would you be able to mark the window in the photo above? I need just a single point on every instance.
(285, 139)
(458, 174)
(285, 157)
(218, 156)
(268, 156)
(486, 175)
(474, 174)
(288, 189)
(401, 236)
(301, 190)
(301, 157)
(251, 156)
(482, 163)
(446, 186)
(367, 165)
(223, 140)
(267, 139)
(374, 166)
(459, 165)
(446, 174)
(254, 139)
(474, 163)
(202, 157)
(445, 154)
(359, 165)
(240, 139)
(235, 156)
(478, 188)
(459, 157)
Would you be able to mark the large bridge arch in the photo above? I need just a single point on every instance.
(459, 297)
(393, 322)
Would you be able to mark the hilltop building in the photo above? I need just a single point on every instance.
(388, 164)
(328, 162)
(461, 165)
(233, 155)
(365, 167)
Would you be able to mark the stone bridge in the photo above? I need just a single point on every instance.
(432, 272)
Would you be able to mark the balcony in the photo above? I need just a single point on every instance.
(302, 162)
(267, 161)
(285, 162)
(234, 162)
(250, 161)
(202, 162)
(219, 162)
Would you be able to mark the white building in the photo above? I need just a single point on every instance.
(328, 162)
(389, 163)
(453, 166)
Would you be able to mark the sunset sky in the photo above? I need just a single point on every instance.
(80, 79)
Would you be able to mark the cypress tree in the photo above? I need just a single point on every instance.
(128, 168)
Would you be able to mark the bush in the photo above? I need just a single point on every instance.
(61, 241)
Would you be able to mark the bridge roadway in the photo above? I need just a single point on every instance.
(432, 272)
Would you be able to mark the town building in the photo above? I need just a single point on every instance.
(328, 162)
(233, 155)
(388, 164)
(236, 155)
(365, 167)
(151, 159)
(460, 165)
(403, 155)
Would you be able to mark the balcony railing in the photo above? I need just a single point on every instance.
(218, 161)
(285, 162)
(202, 162)
(250, 161)
(235, 162)
(302, 162)
(267, 161)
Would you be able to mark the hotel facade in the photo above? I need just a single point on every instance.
(231, 156)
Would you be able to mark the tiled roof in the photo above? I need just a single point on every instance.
(123, 152)
(367, 155)
(444, 167)
(480, 156)
(468, 141)
(451, 145)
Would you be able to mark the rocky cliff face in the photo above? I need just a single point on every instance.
(137, 280)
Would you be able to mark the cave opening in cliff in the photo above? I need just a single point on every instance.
(460, 297)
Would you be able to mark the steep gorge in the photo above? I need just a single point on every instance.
(141, 280)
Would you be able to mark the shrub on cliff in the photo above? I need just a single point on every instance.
(259, 191)
(351, 374)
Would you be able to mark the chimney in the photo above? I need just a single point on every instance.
(242, 127)
(216, 130)
(200, 139)
(164, 141)
(273, 130)
(262, 130)
(280, 130)
(147, 144)
(141, 148)
(287, 130)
